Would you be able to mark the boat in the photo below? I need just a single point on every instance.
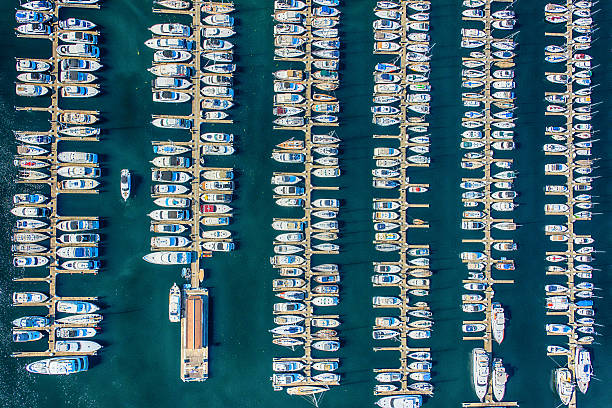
(34, 29)
(77, 346)
(30, 90)
(21, 336)
(498, 379)
(564, 385)
(400, 401)
(176, 44)
(583, 368)
(21, 298)
(169, 257)
(76, 24)
(174, 304)
(171, 29)
(480, 372)
(78, 50)
(59, 365)
(498, 322)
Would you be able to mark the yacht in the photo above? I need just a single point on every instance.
(77, 346)
(21, 298)
(498, 322)
(75, 332)
(168, 257)
(75, 307)
(174, 304)
(59, 365)
(20, 336)
(126, 184)
(480, 372)
(583, 368)
(499, 379)
(564, 384)
(400, 401)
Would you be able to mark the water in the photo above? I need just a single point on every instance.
(139, 366)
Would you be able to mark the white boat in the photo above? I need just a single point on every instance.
(499, 379)
(77, 346)
(583, 368)
(168, 257)
(171, 29)
(400, 401)
(480, 372)
(174, 304)
(59, 365)
(29, 65)
(564, 385)
(75, 307)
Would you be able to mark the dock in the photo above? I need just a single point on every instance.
(411, 151)
(484, 196)
(58, 124)
(312, 84)
(575, 192)
(194, 335)
(194, 362)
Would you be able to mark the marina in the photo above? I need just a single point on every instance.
(43, 237)
(383, 316)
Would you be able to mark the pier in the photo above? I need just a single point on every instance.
(577, 159)
(194, 361)
(412, 72)
(58, 124)
(309, 79)
(485, 201)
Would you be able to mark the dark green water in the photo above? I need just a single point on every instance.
(139, 366)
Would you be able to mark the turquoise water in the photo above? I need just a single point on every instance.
(139, 366)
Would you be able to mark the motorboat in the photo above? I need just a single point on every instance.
(400, 401)
(499, 378)
(583, 368)
(564, 385)
(30, 90)
(480, 372)
(171, 29)
(169, 257)
(78, 50)
(22, 298)
(21, 336)
(59, 365)
(498, 322)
